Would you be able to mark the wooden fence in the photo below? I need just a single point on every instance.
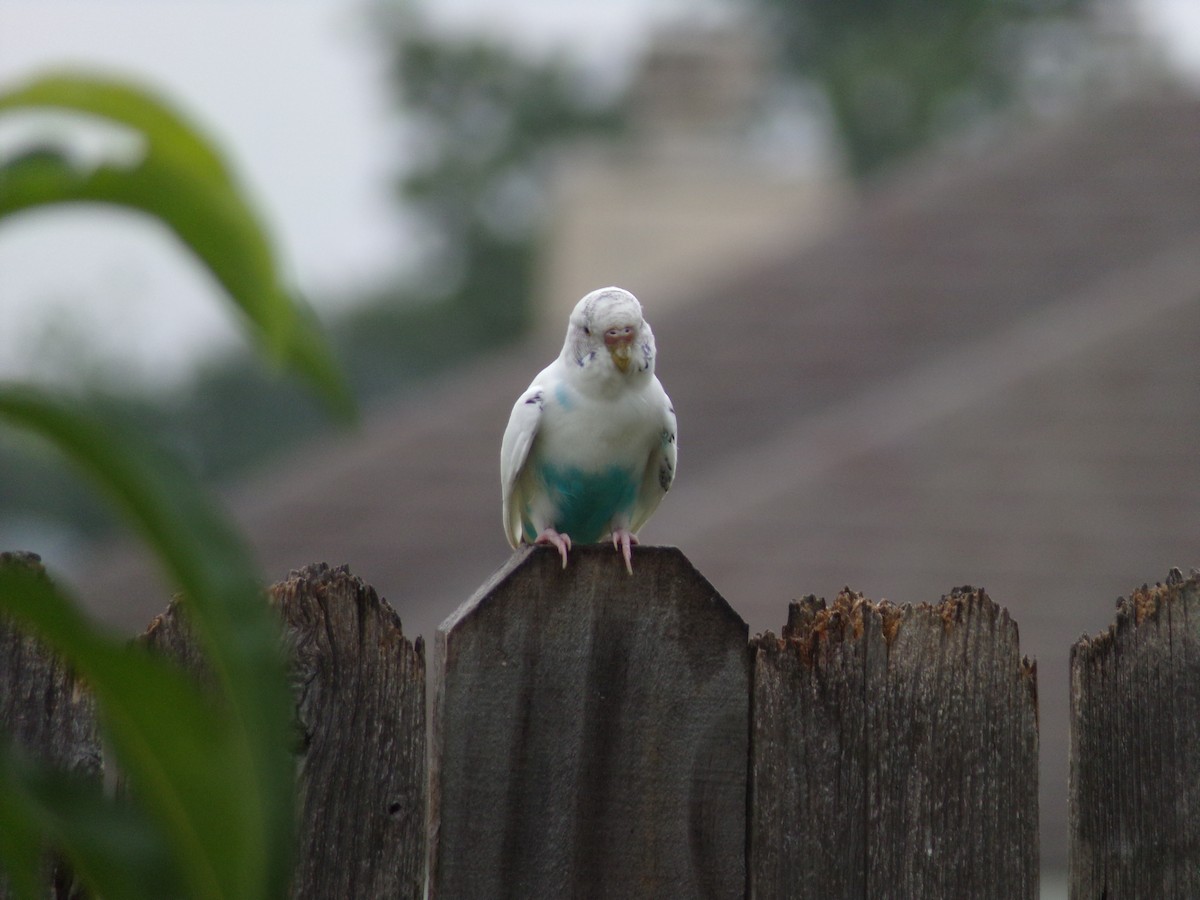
(600, 735)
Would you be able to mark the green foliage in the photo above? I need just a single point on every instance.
(898, 73)
(211, 771)
(211, 801)
(181, 181)
(114, 845)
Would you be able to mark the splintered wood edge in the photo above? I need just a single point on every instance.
(170, 629)
(1143, 607)
(813, 622)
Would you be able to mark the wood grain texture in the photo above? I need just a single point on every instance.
(1135, 749)
(43, 706)
(360, 705)
(894, 753)
(592, 730)
(45, 710)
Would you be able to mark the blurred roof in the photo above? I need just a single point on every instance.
(988, 375)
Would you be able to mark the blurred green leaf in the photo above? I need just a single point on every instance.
(174, 747)
(113, 847)
(95, 94)
(180, 180)
(21, 843)
(214, 770)
(207, 757)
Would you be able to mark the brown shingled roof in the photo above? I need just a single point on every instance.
(988, 375)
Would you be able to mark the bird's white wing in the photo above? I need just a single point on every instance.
(514, 451)
(660, 467)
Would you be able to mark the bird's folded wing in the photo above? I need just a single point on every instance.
(660, 469)
(514, 451)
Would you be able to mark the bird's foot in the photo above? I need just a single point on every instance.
(623, 539)
(561, 541)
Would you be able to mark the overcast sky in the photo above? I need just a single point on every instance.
(294, 92)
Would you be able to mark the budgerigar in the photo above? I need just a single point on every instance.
(590, 447)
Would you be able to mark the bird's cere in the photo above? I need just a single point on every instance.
(619, 341)
(590, 447)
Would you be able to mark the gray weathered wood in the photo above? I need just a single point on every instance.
(894, 753)
(1135, 749)
(592, 730)
(360, 704)
(45, 710)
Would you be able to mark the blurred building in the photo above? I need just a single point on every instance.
(985, 372)
(703, 180)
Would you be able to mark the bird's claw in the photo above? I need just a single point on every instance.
(622, 540)
(560, 541)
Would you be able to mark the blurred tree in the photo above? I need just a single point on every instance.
(898, 73)
(485, 124)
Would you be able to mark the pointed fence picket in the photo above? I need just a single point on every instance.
(590, 733)
(600, 735)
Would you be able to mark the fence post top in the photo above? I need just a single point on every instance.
(592, 567)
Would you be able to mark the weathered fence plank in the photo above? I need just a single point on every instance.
(45, 711)
(894, 753)
(601, 735)
(360, 704)
(43, 707)
(1135, 749)
(592, 730)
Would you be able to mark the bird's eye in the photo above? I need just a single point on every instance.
(587, 331)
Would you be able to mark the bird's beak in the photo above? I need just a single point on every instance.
(619, 342)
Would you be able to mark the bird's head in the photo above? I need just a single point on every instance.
(610, 319)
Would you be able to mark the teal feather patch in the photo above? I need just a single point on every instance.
(561, 395)
(587, 502)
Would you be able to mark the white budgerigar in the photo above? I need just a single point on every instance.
(590, 447)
